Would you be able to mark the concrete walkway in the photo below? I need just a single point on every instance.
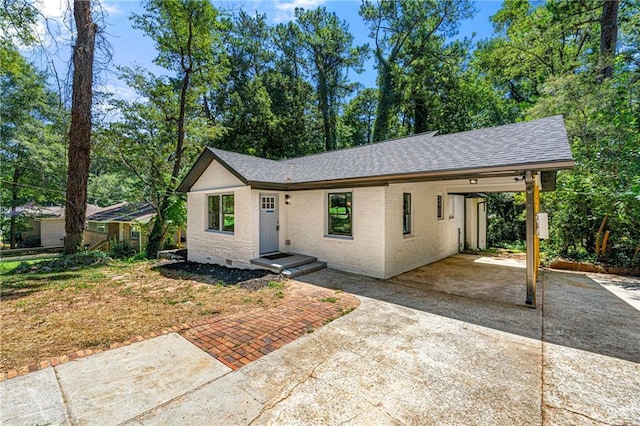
(411, 353)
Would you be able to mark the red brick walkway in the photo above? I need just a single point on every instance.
(240, 339)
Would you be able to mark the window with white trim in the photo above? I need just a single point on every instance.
(268, 202)
(221, 211)
(101, 227)
(135, 232)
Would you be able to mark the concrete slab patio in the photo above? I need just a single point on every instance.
(110, 387)
(419, 350)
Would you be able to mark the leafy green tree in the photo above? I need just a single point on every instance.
(328, 46)
(110, 181)
(506, 223)
(31, 144)
(403, 31)
(293, 96)
(17, 22)
(602, 124)
(556, 58)
(242, 103)
(449, 95)
(539, 41)
(166, 130)
(358, 118)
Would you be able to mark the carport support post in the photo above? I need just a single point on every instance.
(531, 235)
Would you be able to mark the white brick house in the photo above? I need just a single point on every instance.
(377, 210)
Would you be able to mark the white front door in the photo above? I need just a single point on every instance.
(269, 223)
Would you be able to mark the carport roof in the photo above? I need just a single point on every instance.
(509, 149)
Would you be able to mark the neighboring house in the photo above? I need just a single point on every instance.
(117, 223)
(123, 222)
(378, 209)
(45, 224)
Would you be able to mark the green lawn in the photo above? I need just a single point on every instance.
(9, 265)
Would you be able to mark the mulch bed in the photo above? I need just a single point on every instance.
(250, 279)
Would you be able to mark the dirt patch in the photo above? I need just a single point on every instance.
(52, 313)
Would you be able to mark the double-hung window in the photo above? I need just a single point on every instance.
(340, 213)
(406, 213)
(135, 232)
(221, 213)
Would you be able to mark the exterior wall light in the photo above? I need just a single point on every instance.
(473, 181)
(287, 199)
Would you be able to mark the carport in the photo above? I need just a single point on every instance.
(532, 182)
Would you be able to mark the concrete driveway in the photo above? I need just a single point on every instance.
(419, 350)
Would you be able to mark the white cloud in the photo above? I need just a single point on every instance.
(53, 9)
(118, 90)
(56, 20)
(53, 26)
(284, 9)
(121, 91)
(111, 8)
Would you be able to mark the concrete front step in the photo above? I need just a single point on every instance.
(279, 265)
(304, 269)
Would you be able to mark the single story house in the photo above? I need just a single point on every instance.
(123, 222)
(45, 224)
(116, 223)
(379, 209)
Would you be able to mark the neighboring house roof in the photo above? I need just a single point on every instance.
(49, 212)
(124, 212)
(533, 145)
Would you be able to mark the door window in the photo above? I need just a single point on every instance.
(268, 202)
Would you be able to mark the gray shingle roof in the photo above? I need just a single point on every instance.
(530, 143)
(255, 169)
(123, 212)
(34, 210)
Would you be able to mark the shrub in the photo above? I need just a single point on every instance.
(138, 257)
(82, 258)
(122, 250)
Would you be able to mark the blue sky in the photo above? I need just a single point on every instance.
(131, 46)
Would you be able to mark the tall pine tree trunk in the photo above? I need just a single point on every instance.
(80, 131)
(608, 37)
(420, 113)
(386, 103)
(323, 96)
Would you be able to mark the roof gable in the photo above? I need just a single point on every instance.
(216, 176)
